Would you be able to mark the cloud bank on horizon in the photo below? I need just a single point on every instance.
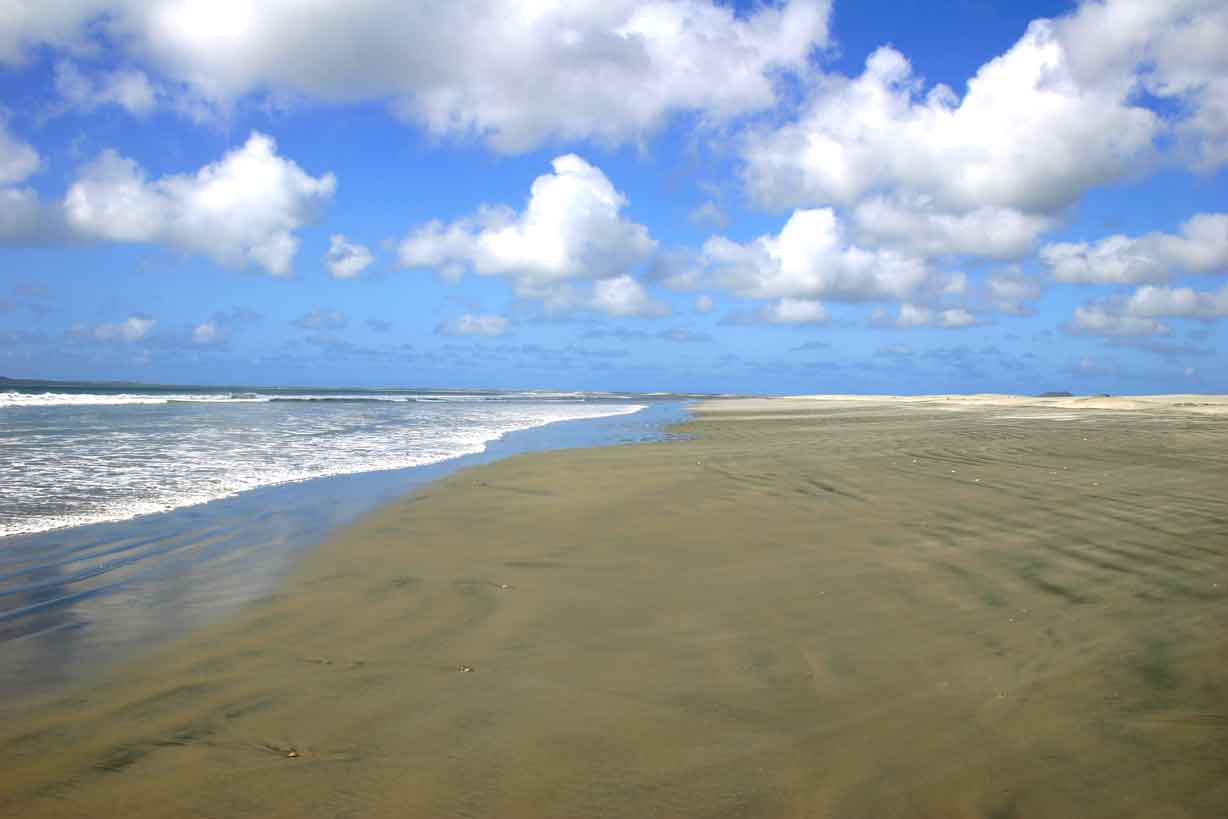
(201, 191)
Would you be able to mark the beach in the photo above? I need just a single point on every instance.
(950, 606)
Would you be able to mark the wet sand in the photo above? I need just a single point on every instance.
(941, 607)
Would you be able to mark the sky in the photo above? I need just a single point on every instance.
(808, 196)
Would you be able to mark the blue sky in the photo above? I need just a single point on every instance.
(873, 196)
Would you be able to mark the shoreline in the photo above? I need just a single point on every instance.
(82, 520)
(109, 590)
(833, 609)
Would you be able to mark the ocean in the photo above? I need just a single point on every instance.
(70, 456)
(129, 515)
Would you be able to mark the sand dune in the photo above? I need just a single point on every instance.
(812, 607)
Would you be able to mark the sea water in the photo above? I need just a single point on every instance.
(70, 458)
(129, 516)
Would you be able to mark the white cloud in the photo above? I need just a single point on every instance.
(240, 210)
(133, 329)
(1025, 136)
(913, 315)
(1200, 247)
(1102, 321)
(1139, 313)
(811, 258)
(128, 88)
(1152, 301)
(515, 74)
(1010, 292)
(474, 325)
(793, 311)
(23, 216)
(1112, 260)
(26, 24)
(206, 332)
(18, 161)
(571, 228)
(704, 303)
(1173, 49)
(624, 296)
(915, 224)
(344, 259)
(218, 328)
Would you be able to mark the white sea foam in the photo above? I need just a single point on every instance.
(62, 399)
(49, 399)
(109, 467)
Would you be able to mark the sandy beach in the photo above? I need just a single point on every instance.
(949, 606)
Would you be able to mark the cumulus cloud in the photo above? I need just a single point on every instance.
(1100, 320)
(24, 218)
(18, 160)
(1172, 49)
(243, 209)
(515, 74)
(788, 311)
(812, 258)
(26, 25)
(1177, 302)
(344, 259)
(1012, 291)
(572, 228)
(474, 325)
(207, 332)
(624, 296)
(1201, 246)
(1025, 136)
(1079, 101)
(128, 88)
(1139, 313)
(134, 328)
(218, 328)
(240, 210)
(914, 315)
(914, 223)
